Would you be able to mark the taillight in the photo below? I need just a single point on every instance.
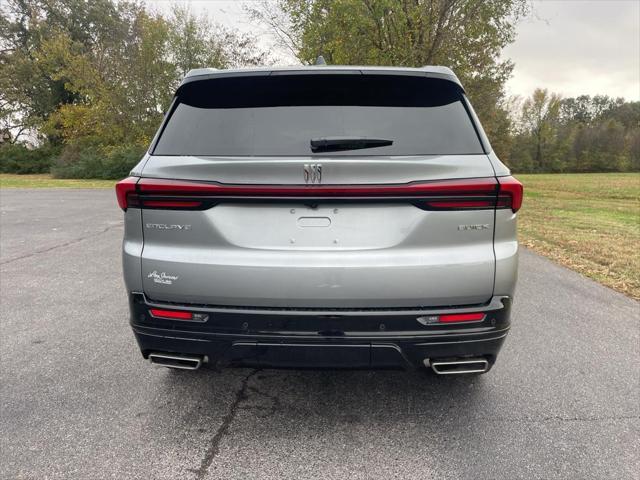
(440, 188)
(178, 315)
(125, 188)
(468, 194)
(475, 193)
(463, 194)
(510, 193)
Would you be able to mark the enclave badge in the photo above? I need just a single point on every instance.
(164, 226)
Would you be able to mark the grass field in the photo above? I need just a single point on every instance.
(46, 181)
(588, 222)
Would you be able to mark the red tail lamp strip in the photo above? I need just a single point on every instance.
(474, 193)
(476, 186)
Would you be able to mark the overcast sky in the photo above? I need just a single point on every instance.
(571, 47)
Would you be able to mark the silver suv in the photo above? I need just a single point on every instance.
(321, 217)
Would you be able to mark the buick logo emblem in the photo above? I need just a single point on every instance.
(312, 173)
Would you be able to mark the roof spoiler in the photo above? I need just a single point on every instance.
(430, 71)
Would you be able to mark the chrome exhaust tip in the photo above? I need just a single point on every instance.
(174, 360)
(459, 366)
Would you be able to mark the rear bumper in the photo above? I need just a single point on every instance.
(374, 338)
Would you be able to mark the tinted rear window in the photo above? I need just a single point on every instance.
(279, 115)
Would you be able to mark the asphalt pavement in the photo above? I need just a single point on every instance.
(78, 401)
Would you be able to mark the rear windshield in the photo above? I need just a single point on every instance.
(279, 115)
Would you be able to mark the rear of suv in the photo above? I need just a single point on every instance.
(321, 217)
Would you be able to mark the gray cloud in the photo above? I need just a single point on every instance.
(571, 47)
(575, 46)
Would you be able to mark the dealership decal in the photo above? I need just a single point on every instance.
(162, 278)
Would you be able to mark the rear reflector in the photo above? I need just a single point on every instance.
(462, 317)
(178, 315)
(171, 314)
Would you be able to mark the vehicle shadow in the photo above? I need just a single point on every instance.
(334, 395)
(356, 418)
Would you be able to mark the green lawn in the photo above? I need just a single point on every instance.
(46, 181)
(588, 222)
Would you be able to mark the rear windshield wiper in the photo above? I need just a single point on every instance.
(337, 144)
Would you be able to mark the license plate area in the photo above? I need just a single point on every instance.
(349, 226)
(300, 355)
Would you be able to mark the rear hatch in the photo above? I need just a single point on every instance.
(319, 191)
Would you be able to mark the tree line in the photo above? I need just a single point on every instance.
(84, 84)
(88, 81)
(579, 134)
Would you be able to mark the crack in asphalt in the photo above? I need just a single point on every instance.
(62, 245)
(214, 447)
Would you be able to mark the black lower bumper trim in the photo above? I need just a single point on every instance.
(333, 353)
(270, 340)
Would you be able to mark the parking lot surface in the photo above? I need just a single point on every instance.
(78, 401)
